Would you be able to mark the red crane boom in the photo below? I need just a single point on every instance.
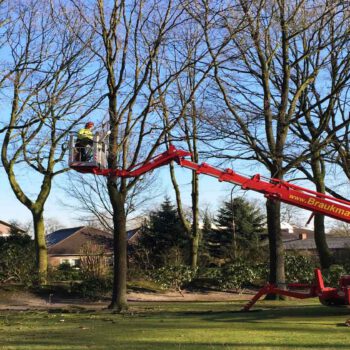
(271, 188)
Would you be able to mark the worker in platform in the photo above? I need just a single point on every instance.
(84, 140)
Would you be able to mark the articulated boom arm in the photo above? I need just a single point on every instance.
(172, 154)
(271, 188)
(279, 190)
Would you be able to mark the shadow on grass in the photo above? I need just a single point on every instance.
(58, 340)
(108, 331)
(297, 314)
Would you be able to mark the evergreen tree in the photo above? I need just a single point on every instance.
(207, 225)
(206, 232)
(163, 237)
(240, 225)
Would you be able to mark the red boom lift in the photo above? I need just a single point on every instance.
(271, 188)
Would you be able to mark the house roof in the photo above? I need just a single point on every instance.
(10, 225)
(70, 241)
(59, 235)
(309, 244)
(5, 223)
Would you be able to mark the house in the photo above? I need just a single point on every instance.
(302, 240)
(339, 246)
(5, 229)
(65, 245)
(293, 232)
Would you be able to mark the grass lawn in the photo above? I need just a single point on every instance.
(163, 326)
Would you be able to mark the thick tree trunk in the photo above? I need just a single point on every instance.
(277, 274)
(40, 246)
(323, 250)
(119, 299)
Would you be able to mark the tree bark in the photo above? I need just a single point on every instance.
(277, 274)
(119, 300)
(324, 253)
(40, 245)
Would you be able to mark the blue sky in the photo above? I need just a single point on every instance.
(12, 209)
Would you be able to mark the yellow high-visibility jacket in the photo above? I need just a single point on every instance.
(85, 134)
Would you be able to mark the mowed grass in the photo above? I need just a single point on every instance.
(276, 325)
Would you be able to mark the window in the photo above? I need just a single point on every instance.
(75, 262)
(71, 262)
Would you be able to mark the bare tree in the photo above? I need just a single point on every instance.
(255, 79)
(340, 229)
(132, 36)
(291, 214)
(93, 260)
(340, 142)
(189, 95)
(49, 85)
(6, 23)
(327, 52)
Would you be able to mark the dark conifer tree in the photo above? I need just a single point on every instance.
(162, 232)
(205, 239)
(239, 226)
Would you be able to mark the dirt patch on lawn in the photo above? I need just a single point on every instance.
(19, 300)
(188, 296)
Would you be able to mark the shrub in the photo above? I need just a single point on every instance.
(175, 276)
(210, 277)
(261, 274)
(299, 268)
(332, 275)
(94, 271)
(211, 273)
(17, 260)
(64, 272)
(93, 288)
(238, 275)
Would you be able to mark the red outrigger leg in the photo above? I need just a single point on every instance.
(272, 289)
(327, 295)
